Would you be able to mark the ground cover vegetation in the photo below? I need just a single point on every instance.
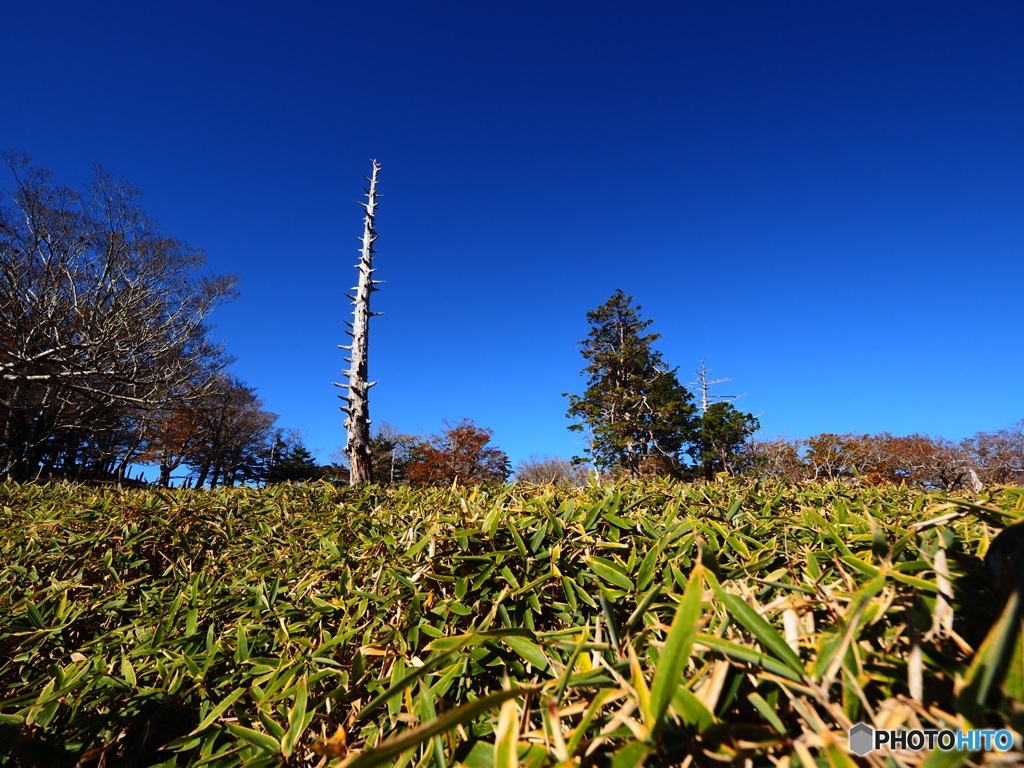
(730, 623)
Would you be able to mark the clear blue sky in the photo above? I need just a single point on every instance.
(825, 200)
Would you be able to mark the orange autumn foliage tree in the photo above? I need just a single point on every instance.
(170, 436)
(462, 452)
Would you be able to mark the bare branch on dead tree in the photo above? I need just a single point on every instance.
(704, 384)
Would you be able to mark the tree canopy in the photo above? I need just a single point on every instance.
(107, 361)
(103, 322)
(636, 414)
(292, 461)
(541, 470)
(461, 452)
(723, 432)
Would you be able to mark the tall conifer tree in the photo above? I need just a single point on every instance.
(638, 416)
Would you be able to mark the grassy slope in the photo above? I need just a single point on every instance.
(658, 623)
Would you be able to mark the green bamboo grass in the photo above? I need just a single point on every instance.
(655, 623)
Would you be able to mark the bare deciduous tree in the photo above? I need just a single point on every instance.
(999, 456)
(551, 469)
(102, 317)
(778, 457)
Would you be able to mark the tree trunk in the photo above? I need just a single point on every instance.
(165, 474)
(204, 470)
(357, 403)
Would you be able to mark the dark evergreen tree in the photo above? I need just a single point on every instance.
(638, 416)
(296, 464)
(723, 432)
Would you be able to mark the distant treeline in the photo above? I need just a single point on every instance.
(107, 363)
(989, 458)
(921, 461)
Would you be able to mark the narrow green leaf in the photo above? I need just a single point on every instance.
(127, 670)
(756, 625)
(631, 755)
(734, 508)
(241, 644)
(766, 711)
(990, 657)
(444, 682)
(296, 718)
(481, 755)
(609, 573)
(510, 577)
(273, 727)
(692, 711)
(820, 523)
(749, 656)
(520, 545)
(645, 574)
(829, 661)
(416, 548)
(641, 609)
(643, 693)
(570, 663)
(506, 736)
(580, 732)
(582, 594)
(463, 715)
(617, 521)
(190, 622)
(428, 713)
(1013, 680)
(258, 739)
(812, 566)
(837, 758)
(528, 650)
(676, 652)
(570, 593)
(450, 645)
(609, 619)
(217, 711)
(34, 616)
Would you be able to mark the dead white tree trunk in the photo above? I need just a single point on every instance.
(705, 387)
(357, 402)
